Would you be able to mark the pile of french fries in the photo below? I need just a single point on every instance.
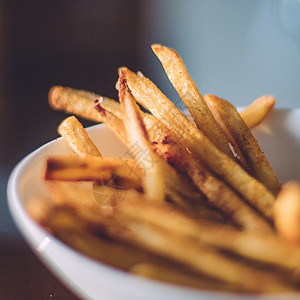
(192, 202)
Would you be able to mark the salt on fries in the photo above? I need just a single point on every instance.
(201, 208)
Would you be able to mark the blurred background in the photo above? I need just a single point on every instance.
(236, 49)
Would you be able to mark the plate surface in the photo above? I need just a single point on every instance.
(279, 137)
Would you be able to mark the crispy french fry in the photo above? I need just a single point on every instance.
(125, 226)
(257, 110)
(73, 168)
(188, 91)
(72, 230)
(216, 191)
(113, 122)
(175, 246)
(148, 95)
(257, 246)
(80, 102)
(177, 187)
(287, 212)
(77, 137)
(228, 117)
(153, 181)
(196, 204)
(113, 253)
(204, 259)
(76, 194)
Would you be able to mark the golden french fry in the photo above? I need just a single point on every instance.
(73, 168)
(80, 102)
(173, 245)
(256, 246)
(287, 212)
(159, 135)
(121, 225)
(178, 188)
(216, 191)
(216, 228)
(148, 95)
(113, 253)
(227, 116)
(257, 110)
(77, 194)
(77, 137)
(113, 122)
(72, 230)
(204, 259)
(188, 92)
(153, 181)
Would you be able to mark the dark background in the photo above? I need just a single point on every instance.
(44, 43)
(73, 43)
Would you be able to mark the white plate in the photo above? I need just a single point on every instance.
(279, 137)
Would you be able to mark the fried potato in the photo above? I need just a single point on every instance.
(257, 110)
(228, 117)
(257, 246)
(124, 171)
(147, 94)
(77, 137)
(194, 204)
(287, 212)
(204, 259)
(80, 102)
(197, 256)
(65, 224)
(190, 95)
(153, 181)
(113, 122)
(177, 187)
(216, 191)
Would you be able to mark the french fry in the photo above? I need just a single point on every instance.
(123, 225)
(228, 117)
(190, 95)
(203, 259)
(177, 187)
(112, 253)
(113, 122)
(73, 168)
(178, 190)
(77, 137)
(72, 230)
(215, 190)
(260, 247)
(194, 206)
(174, 246)
(256, 246)
(148, 95)
(257, 110)
(80, 102)
(287, 212)
(153, 181)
